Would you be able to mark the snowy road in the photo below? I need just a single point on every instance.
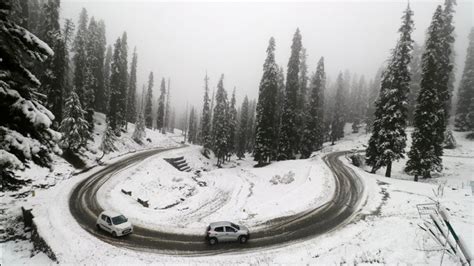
(345, 203)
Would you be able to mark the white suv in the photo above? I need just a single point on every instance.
(226, 232)
(114, 223)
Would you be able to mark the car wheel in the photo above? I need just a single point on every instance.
(114, 234)
(98, 227)
(243, 239)
(212, 241)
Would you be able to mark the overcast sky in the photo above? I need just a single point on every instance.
(181, 40)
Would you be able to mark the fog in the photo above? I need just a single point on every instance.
(182, 41)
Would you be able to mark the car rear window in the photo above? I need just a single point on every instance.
(219, 229)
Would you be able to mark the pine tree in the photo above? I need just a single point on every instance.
(264, 149)
(25, 133)
(424, 155)
(20, 13)
(107, 65)
(93, 67)
(242, 133)
(168, 108)
(446, 76)
(160, 115)
(192, 127)
(96, 60)
(232, 126)
(148, 103)
(82, 73)
(132, 89)
(206, 118)
(466, 89)
(339, 114)
(108, 140)
(373, 94)
(74, 126)
(280, 100)
(470, 118)
(139, 133)
(34, 16)
(115, 89)
(53, 74)
(359, 103)
(302, 96)
(313, 131)
(415, 77)
(251, 126)
(288, 141)
(219, 123)
(388, 139)
(123, 66)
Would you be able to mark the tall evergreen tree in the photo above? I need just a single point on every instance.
(74, 126)
(446, 77)
(115, 111)
(168, 108)
(96, 60)
(149, 103)
(219, 122)
(82, 73)
(302, 98)
(232, 125)
(264, 149)
(388, 139)
(415, 79)
(160, 114)
(466, 89)
(192, 127)
(288, 141)
(124, 85)
(206, 138)
(280, 100)
(24, 120)
(424, 156)
(53, 73)
(132, 90)
(338, 117)
(373, 94)
(107, 65)
(251, 126)
(313, 131)
(242, 133)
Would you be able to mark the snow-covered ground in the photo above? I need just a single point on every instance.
(15, 247)
(186, 202)
(385, 231)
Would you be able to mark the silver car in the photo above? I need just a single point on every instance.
(226, 232)
(114, 223)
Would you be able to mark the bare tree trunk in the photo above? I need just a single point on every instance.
(388, 172)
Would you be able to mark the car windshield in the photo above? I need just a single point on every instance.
(235, 226)
(119, 219)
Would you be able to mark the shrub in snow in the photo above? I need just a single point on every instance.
(357, 160)
(24, 127)
(139, 133)
(449, 140)
(108, 141)
(285, 179)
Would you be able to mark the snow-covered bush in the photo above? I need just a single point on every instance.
(449, 140)
(24, 128)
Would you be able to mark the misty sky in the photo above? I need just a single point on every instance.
(182, 40)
